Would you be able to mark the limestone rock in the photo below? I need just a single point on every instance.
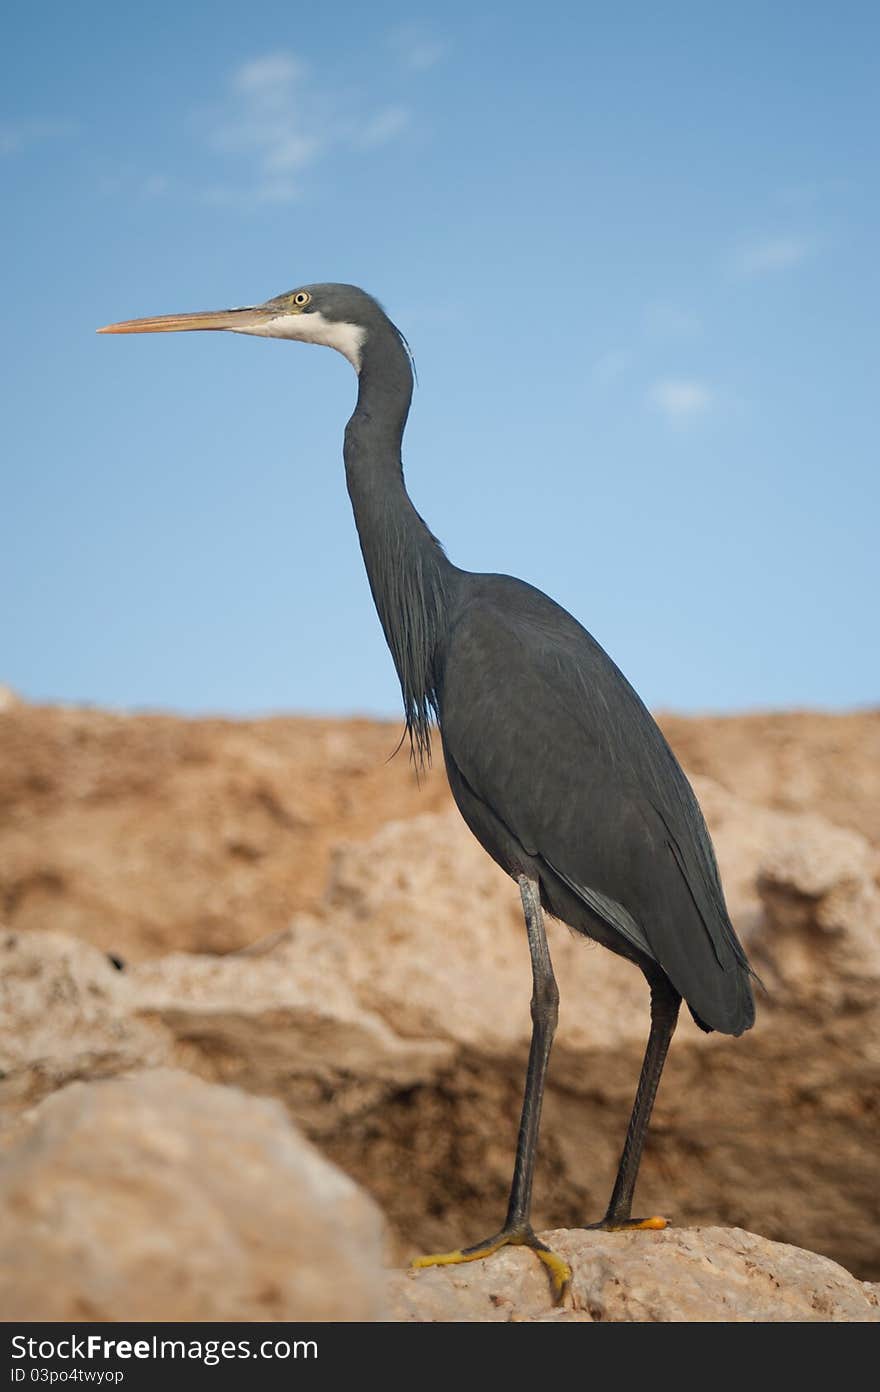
(146, 834)
(160, 1197)
(804, 896)
(822, 914)
(429, 932)
(394, 1023)
(66, 1013)
(789, 761)
(283, 1024)
(690, 1275)
(389, 1009)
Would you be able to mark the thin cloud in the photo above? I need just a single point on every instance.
(662, 321)
(665, 320)
(277, 121)
(384, 126)
(766, 255)
(610, 367)
(681, 399)
(155, 186)
(269, 77)
(808, 197)
(418, 48)
(17, 136)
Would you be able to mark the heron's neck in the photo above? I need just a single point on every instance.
(409, 574)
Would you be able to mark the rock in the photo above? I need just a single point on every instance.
(429, 932)
(160, 1197)
(66, 1013)
(789, 761)
(283, 1024)
(821, 939)
(390, 1011)
(395, 1026)
(691, 1275)
(769, 856)
(146, 834)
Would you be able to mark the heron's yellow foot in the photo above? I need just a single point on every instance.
(654, 1224)
(558, 1270)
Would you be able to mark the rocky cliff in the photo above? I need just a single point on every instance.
(300, 920)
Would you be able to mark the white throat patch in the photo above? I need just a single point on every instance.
(347, 339)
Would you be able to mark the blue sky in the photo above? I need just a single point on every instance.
(633, 246)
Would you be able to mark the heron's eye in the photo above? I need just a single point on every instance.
(301, 298)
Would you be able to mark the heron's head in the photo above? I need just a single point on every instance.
(338, 316)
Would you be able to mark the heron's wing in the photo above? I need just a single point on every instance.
(548, 733)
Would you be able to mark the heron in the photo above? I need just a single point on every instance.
(554, 762)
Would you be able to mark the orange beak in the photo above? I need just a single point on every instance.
(237, 320)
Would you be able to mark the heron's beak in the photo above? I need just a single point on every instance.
(248, 320)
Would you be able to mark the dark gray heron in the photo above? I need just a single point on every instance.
(556, 766)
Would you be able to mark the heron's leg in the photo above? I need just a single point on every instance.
(665, 1002)
(517, 1229)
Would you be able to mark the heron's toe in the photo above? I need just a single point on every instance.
(558, 1270)
(466, 1254)
(653, 1224)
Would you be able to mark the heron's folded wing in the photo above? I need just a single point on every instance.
(554, 739)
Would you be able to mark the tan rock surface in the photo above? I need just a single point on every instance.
(395, 1026)
(148, 833)
(65, 1013)
(775, 1131)
(160, 1197)
(791, 761)
(691, 1275)
(283, 1026)
(392, 1019)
